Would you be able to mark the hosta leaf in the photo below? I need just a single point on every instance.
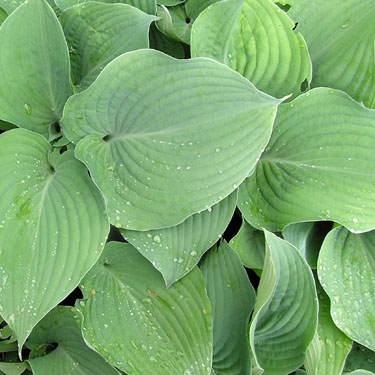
(256, 38)
(10, 5)
(307, 238)
(138, 325)
(174, 23)
(174, 251)
(285, 314)
(72, 356)
(34, 67)
(250, 246)
(8, 368)
(360, 372)
(49, 235)
(333, 346)
(232, 298)
(319, 165)
(360, 358)
(97, 33)
(163, 43)
(154, 134)
(147, 6)
(195, 7)
(340, 36)
(346, 269)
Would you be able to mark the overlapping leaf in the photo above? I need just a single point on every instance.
(307, 238)
(154, 134)
(319, 165)
(52, 228)
(97, 33)
(232, 298)
(34, 67)
(346, 269)
(250, 246)
(340, 36)
(147, 6)
(359, 358)
(285, 314)
(327, 353)
(137, 324)
(174, 251)
(256, 38)
(62, 326)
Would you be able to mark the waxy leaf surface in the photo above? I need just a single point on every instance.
(147, 6)
(318, 165)
(286, 311)
(97, 33)
(256, 38)
(340, 36)
(140, 326)
(232, 298)
(174, 251)
(72, 356)
(346, 269)
(327, 353)
(34, 67)
(154, 133)
(52, 228)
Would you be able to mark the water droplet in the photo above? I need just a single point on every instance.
(193, 253)
(218, 149)
(157, 239)
(27, 109)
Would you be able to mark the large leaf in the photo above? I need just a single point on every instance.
(286, 311)
(327, 354)
(62, 326)
(340, 36)
(174, 251)
(52, 228)
(232, 298)
(346, 269)
(250, 246)
(256, 38)
(319, 165)
(34, 67)
(360, 358)
(147, 6)
(307, 238)
(154, 133)
(137, 324)
(97, 33)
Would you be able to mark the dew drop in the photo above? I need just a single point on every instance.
(27, 109)
(156, 239)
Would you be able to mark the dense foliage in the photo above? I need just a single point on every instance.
(154, 154)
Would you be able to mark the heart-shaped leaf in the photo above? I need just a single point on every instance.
(62, 328)
(97, 33)
(154, 134)
(140, 326)
(319, 165)
(346, 269)
(340, 36)
(34, 67)
(49, 235)
(256, 38)
(174, 251)
(232, 298)
(286, 312)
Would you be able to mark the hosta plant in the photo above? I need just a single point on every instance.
(187, 187)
